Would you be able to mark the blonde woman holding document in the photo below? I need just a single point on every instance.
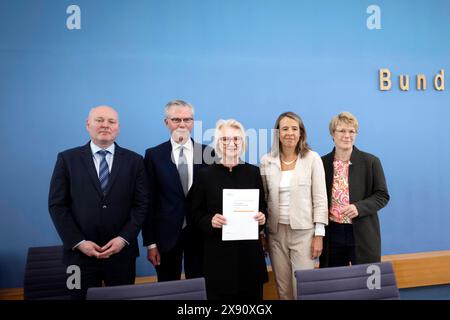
(234, 269)
(294, 181)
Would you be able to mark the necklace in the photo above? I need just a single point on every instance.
(288, 162)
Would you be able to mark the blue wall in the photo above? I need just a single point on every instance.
(247, 59)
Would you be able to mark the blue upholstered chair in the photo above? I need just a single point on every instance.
(358, 282)
(191, 289)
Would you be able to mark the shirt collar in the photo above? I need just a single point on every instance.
(95, 148)
(188, 145)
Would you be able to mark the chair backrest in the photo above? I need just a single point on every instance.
(191, 289)
(45, 274)
(358, 282)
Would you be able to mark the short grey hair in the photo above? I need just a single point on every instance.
(230, 123)
(179, 104)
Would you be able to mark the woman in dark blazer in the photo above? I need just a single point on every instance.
(233, 269)
(356, 189)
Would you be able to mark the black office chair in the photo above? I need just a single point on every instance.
(191, 289)
(356, 282)
(45, 274)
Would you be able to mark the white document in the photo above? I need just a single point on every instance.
(239, 208)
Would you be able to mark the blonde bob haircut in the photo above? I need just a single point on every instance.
(230, 123)
(346, 118)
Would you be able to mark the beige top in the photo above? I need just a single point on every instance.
(308, 202)
(285, 196)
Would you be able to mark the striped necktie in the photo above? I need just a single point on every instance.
(103, 172)
(183, 171)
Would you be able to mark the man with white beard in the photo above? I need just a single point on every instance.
(172, 168)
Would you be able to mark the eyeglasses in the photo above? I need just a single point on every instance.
(351, 132)
(226, 140)
(179, 120)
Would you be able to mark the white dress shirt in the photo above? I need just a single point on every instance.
(188, 153)
(98, 158)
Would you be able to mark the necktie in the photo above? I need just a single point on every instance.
(183, 171)
(103, 172)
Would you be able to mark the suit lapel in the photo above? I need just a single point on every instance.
(171, 166)
(274, 178)
(90, 167)
(116, 165)
(276, 182)
(297, 171)
(354, 166)
(198, 160)
(329, 171)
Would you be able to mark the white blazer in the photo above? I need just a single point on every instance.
(308, 199)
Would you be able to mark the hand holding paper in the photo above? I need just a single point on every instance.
(218, 221)
(261, 218)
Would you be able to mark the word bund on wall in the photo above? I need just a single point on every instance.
(385, 81)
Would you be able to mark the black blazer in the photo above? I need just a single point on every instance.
(168, 204)
(369, 193)
(79, 209)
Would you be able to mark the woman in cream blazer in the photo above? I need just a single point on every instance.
(295, 188)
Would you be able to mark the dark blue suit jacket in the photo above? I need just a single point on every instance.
(80, 210)
(168, 205)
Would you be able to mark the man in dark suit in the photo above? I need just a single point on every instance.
(98, 201)
(172, 167)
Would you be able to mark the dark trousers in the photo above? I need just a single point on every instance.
(113, 271)
(341, 244)
(253, 294)
(190, 247)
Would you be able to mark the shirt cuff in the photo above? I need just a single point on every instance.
(319, 229)
(126, 242)
(76, 246)
(153, 245)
